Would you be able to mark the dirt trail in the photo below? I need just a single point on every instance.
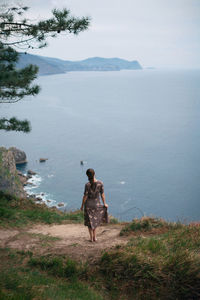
(67, 239)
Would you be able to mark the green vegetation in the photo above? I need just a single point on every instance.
(161, 260)
(162, 266)
(113, 220)
(165, 266)
(60, 266)
(20, 279)
(19, 212)
(147, 224)
(17, 31)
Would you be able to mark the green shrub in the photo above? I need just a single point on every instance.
(143, 224)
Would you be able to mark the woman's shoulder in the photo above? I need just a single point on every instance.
(100, 182)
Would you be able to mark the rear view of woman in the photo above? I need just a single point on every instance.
(94, 212)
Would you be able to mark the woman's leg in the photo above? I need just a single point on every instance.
(91, 233)
(94, 235)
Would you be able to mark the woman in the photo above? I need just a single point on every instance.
(94, 212)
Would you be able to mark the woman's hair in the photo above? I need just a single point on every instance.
(90, 174)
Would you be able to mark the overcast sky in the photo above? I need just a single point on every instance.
(159, 33)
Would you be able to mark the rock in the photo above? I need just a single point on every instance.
(29, 183)
(61, 204)
(48, 201)
(38, 199)
(10, 181)
(30, 172)
(43, 159)
(22, 178)
(19, 155)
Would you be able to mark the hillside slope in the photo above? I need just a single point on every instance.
(50, 65)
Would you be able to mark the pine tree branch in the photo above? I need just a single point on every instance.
(15, 83)
(13, 124)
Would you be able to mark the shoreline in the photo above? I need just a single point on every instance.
(31, 180)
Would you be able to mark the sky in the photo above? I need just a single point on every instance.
(157, 33)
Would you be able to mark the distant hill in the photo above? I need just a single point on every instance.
(50, 65)
(45, 67)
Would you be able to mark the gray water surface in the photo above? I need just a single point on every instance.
(139, 130)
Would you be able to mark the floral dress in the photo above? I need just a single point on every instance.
(94, 212)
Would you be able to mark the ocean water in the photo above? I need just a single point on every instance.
(139, 130)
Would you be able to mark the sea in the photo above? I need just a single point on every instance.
(139, 130)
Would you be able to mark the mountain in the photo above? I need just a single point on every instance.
(45, 67)
(50, 65)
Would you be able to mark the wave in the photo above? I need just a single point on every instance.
(34, 183)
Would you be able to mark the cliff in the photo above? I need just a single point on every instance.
(9, 180)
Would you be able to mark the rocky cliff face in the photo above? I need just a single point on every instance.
(19, 155)
(9, 179)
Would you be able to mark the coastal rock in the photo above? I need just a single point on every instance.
(19, 155)
(30, 172)
(61, 204)
(10, 181)
(22, 178)
(38, 199)
(43, 159)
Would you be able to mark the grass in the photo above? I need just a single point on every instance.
(21, 280)
(20, 212)
(113, 220)
(59, 265)
(147, 224)
(163, 266)
(161, 261)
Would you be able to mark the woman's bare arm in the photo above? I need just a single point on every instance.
(103, 199)
(83, 201)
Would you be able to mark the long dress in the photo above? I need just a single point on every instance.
(94, 212)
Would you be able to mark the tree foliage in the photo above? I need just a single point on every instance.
(13, 124)
(15, 83)
(18, 32)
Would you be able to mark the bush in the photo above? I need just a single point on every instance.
(143, 224)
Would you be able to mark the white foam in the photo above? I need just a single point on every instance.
(35, 181)
(122, 182)
(46, 198)
(50, 175)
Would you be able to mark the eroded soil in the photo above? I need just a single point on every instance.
(67, 239)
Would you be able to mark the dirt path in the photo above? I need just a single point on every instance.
(67, 239)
